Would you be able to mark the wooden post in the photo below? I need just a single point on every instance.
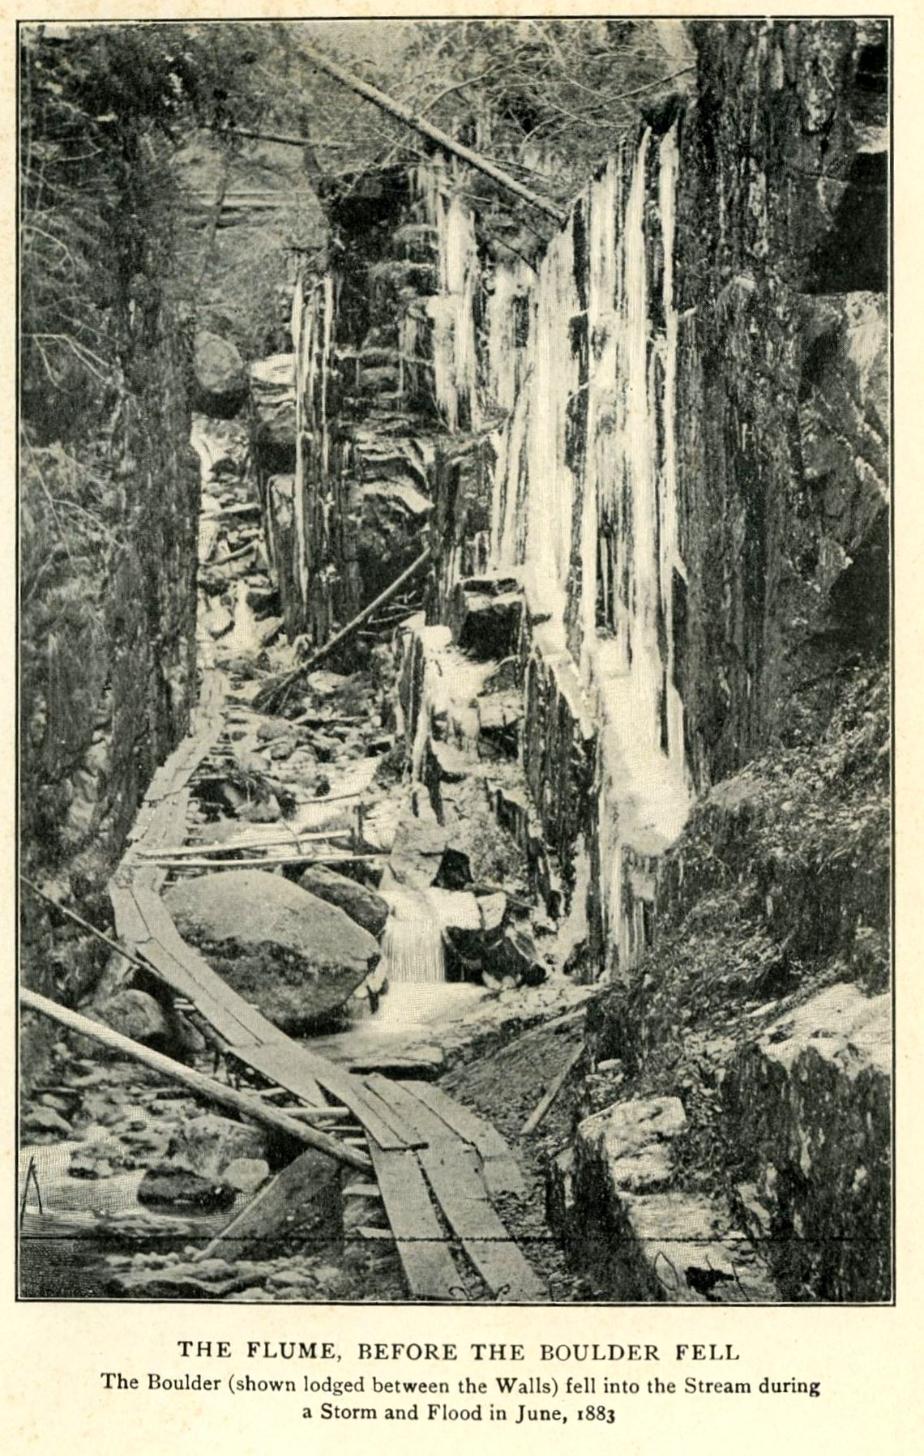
(197, 1082)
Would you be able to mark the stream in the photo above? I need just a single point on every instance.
(84, 1224)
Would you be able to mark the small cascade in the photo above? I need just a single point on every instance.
(245, 634)
(412, 946)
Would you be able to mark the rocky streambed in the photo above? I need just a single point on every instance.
(307, 840)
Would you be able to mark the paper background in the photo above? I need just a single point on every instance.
(51, 1354)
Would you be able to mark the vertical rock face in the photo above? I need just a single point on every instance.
(808, 1106)
(784, 394)
(672, 427)
(365, 419)
(108, 644)
(105, 703)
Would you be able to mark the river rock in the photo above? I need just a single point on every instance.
(179, 1188)
(418, 850)
(514, 956)
(43, 1125)
(294, 955)
(361, 904)
(246, 1174)
(100, 1158)
(219, 375)
(208, 1144)
(137, 1015)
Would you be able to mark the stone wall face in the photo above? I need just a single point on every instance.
(692, 478)
(367, 421)
(108, 650)
(783, 402)
(104, 704)
(670, 428)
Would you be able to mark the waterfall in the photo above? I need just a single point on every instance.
(412, 946)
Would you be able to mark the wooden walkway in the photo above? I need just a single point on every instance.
(437, 1166)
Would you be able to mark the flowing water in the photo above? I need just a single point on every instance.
(412, 946)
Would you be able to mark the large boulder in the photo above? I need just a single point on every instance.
(297, 957)
(219, 376)
(361, 904)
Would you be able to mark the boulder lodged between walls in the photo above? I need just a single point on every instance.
(295, 956)
(219, 376)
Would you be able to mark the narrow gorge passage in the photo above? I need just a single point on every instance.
(460, 684)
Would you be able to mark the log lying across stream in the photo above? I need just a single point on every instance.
(247, 1106)
(272, 694)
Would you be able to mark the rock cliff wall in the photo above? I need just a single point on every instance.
(108, 626)
(654, 450)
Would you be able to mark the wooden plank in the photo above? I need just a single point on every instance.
(176, 975)
(279, 1060)
(295, 1067)
(190, 974)
(555, 1086)
(452, 1171)
(452, 1167)
(378, 1119)
(413, 1114)
(502, 1172)
(429, 1267)
(131, 925)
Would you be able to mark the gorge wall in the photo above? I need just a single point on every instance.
(109, 505)
(665, 432)
(649, 455)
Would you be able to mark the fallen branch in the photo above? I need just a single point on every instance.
(317, 720)
(542, 1107)
(262, 861)
(85, 925)
(236, 554)
(197, 1082)
(291, 841)
(403, 113)
(276, 692)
